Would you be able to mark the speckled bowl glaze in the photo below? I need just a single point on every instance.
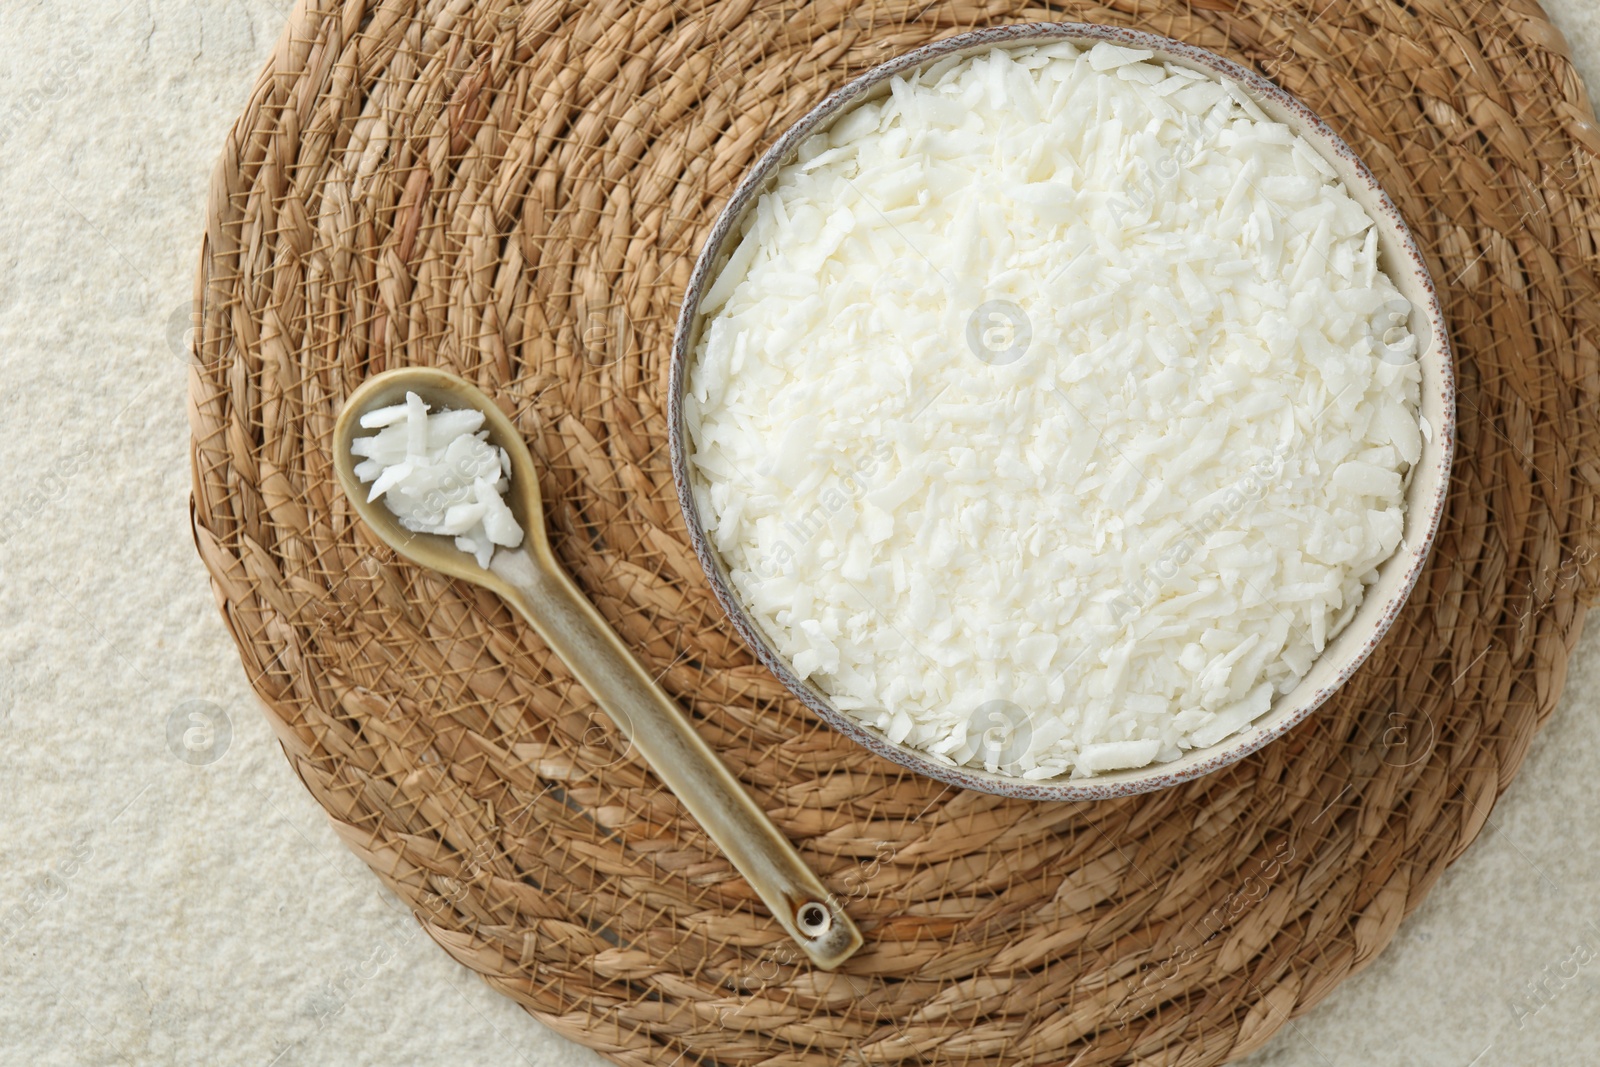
(1426, 487)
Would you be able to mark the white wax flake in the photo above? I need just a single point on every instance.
(1064, 379)
(439, 474)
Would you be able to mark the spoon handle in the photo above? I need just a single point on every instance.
(659, 729)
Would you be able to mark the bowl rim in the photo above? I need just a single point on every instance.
(1112, 784)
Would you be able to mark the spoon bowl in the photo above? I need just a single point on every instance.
(531, 581)
(440, 390)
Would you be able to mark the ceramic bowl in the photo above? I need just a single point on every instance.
(1426, 485)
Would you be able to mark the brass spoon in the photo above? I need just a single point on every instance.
(530, 580)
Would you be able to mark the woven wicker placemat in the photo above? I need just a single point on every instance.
(517, 191)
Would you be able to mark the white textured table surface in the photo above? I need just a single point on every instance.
(157, 912)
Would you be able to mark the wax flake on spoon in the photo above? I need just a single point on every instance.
(438, 474)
